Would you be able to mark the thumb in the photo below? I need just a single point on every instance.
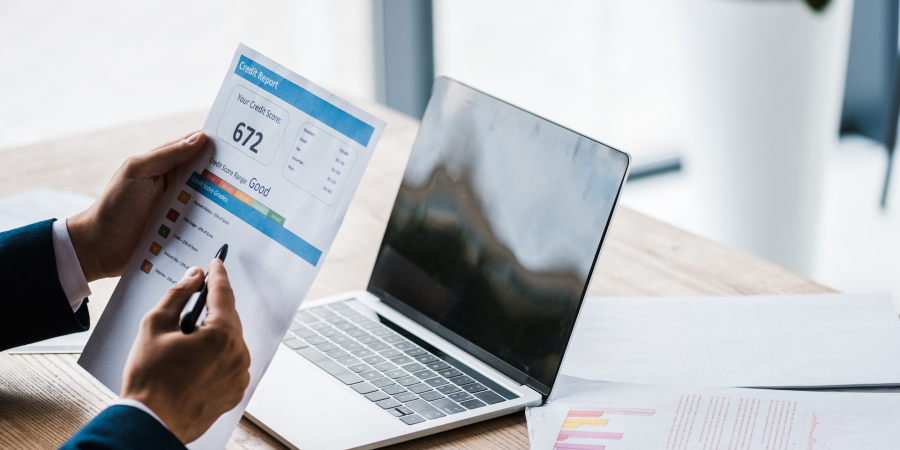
(168, 311)
(159, 161)
(220, 302)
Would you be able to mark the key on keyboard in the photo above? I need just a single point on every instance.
(295, 343)
(449, 373)
(415, 352)
(377, 396)
(406, 397)
(489, 397)
(413, 367)
(425, 409)
(425, 374)
(389, 403)
(348, 361)
(437, 365)
(448, 406)
(382, 382)
(397, 373)
(393, 389)
(326, 346)
(363, 388)
(359, 367)
(401, 360)
(473, 387)
(374, 359)
(431, 395)
(370, 375)
(363, 352)
(472, 404)
(425, 359)
(447, 389)
(419, 388)
(412, 419)
(336, 353)
(437, 381)
(461, 380)
(385, 366)
(460, 396)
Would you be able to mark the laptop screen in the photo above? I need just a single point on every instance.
(496, 228)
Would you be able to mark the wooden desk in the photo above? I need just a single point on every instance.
(44, 399)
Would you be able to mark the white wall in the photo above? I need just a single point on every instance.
(70, 67)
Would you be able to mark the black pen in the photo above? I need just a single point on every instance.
(189, 317)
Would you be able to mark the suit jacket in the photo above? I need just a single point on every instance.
(34, 307)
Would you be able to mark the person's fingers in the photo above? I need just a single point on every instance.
(165, 159)
(220, 300)
(168, 310)
(175, 141)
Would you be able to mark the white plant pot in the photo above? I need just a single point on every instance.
(766, 82)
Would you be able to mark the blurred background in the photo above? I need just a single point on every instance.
(763, 125)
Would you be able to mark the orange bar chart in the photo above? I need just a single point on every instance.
(573, 424)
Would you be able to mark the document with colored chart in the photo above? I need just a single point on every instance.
(283, 160)
(597, 415)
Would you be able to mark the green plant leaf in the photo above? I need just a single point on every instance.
(818, 5)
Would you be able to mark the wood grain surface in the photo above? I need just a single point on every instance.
(44, 399)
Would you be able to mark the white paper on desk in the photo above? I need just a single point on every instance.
(751, 341)
(33, 206)
(597, 415)
(307, 149)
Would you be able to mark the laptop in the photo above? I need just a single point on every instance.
(483, 267)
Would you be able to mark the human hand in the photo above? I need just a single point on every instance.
(189, 380)
(105, 235)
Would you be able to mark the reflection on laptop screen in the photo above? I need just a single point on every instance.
(497, 225)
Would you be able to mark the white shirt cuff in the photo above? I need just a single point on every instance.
(136, 404)
(67, 266)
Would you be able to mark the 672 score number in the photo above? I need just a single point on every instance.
(239, 134)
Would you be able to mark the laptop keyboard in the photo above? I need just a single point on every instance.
(405, 376)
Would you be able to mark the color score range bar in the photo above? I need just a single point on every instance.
(243, 197)
(254, 217)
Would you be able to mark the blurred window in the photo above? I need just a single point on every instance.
(609, 69)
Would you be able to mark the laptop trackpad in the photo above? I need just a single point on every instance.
(312, 409)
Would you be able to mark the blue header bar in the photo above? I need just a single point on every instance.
(305, 101)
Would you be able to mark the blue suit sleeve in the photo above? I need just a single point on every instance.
(123, 427)
(34, 306)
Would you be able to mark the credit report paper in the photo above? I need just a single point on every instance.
(283, 160)
(814, 340)
(596, 415)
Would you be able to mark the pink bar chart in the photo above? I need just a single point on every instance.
(581, 424)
